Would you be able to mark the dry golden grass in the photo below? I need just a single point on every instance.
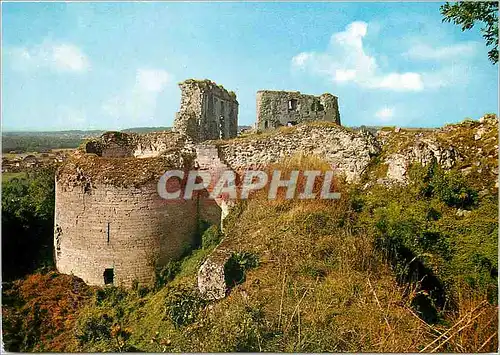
(319, 286)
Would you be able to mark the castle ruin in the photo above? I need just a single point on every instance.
(285, 108)
(208, 111)
(112, 227)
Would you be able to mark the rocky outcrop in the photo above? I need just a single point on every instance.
(211, 275)
(423, 151)
(467, 146)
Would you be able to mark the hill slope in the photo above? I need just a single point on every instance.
(405, 261)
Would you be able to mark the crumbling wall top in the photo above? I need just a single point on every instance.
(294, 93)
(209, 85)
(120, 145)
(87, 169)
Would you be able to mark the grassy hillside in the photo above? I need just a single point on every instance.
(394, 269)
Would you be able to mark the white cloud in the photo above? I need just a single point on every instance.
(385, 114)
(422, 51)
(300, 59)
(151, 80)
(406, 81)
(346, 60)
(139, 101)
(63, 57)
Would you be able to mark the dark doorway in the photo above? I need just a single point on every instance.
(292, 105)
(108, 276)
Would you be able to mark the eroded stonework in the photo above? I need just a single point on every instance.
(282, 108)
(111, 225)
(207, 111)
(348, 152)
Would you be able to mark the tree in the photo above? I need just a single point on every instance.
(27, 223)
(466, 14)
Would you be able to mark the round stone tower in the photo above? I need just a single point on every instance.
(111, 225)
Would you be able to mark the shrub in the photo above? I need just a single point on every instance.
(211, 237)
(27, 223)
(110, 295)
(182, 305)
(449, 187)
(39, 312)
(167, 273)
(237, 264)
(452, 189)
(94, 328)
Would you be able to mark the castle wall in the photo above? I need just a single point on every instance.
(207, 111)
(128, 229)
(121, 145)
(350, 152)
(279, 108)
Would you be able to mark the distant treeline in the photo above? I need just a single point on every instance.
(21, 142)
(146, 129)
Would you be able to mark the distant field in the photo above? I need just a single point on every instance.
(23, 142)
(10, 176)
(38, 143)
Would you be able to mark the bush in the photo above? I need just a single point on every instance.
(39, 312)
(237, 264)
(183, 305)
(110, 296)
(27, 223)
(452, 189)
(449, 187)
(94, 328)
(167, 273)
(211, 237)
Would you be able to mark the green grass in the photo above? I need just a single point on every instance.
(10, 176)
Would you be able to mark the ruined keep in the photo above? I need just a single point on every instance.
(284, 108)
(207, 111)
(111, 226)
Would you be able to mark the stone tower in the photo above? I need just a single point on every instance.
(282, 108)
(207, 111)
(111, 226)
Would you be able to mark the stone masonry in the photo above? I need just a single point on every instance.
(283, 108)
(207, 111)
(112, 227)
(349, 152)
(126, 232)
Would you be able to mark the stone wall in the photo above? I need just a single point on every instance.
(120, 145)
(129, 230)
(348, 150)
(109, 216)
(207, 111)
(281, 108)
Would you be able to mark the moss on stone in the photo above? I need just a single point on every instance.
(90, 168)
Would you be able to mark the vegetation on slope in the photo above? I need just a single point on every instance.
(393, 269)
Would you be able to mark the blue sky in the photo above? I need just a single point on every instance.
(117, 65)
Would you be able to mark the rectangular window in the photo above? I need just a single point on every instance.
(109, 275)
